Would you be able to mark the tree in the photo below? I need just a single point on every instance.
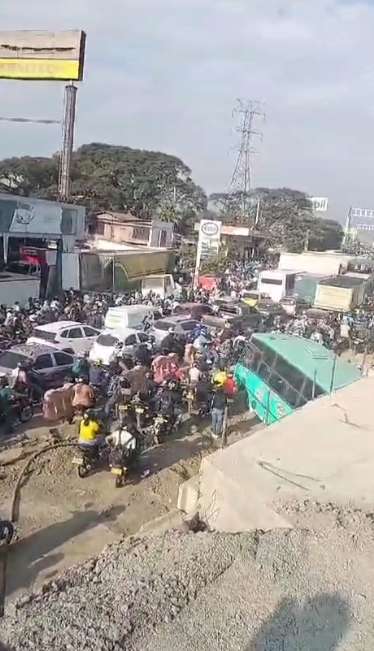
(107, 177)
(284, 215)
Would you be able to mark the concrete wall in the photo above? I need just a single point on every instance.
(324, 451)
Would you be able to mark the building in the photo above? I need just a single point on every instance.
(40, 230)
(124, 228)
(359, 226)
(329, 263)
(248, 242)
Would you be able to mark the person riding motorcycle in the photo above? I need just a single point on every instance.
(90, 436)
(170, 344)
(120, 394)
(98, 376)
(83, 395)
(7, 396)
(124, 444)
(22, 383)
(81, 367)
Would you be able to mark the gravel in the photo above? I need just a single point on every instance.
(285, 590)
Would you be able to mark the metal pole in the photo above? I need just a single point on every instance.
(113, 275)
(333, 374)
(67, 142)
(314, 383)
(267, 408)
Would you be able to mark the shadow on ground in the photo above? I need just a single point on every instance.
(319, 625)
(31, 555)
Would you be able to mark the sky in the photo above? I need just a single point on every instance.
(165, 75)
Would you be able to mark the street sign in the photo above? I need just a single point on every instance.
(320, 204)
(208, 243)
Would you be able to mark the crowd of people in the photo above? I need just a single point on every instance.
(189, 373)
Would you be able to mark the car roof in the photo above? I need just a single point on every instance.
(33, 350)
(122, 333)
(56, 326)
(131, 308)
(174, 320)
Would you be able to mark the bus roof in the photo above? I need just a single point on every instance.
(310, 358)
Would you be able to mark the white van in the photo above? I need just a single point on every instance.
(128, 316)
(161, 284)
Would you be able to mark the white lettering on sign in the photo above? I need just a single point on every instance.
(320, 204)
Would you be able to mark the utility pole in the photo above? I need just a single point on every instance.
(67, 142)
(247, 112)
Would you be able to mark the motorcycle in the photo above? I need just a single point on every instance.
(23, 408)
(119, 462)
(142, 413)
(88, 460)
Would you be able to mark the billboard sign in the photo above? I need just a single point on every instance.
(31, 55)
(208, 243)
(320, 204)
(362, 213)
(209, 239)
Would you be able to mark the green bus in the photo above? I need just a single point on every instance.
(281, 373)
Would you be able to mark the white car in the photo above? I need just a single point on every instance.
(69, 336)
(180, 325)
(111, 343)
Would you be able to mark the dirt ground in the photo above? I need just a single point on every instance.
(64, 520)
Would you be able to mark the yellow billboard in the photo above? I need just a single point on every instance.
(31, 55)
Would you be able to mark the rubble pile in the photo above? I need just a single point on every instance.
(285, 589)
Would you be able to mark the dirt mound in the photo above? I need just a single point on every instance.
(286, 589)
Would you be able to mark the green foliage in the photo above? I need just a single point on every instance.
(285, 215)
(106, 177)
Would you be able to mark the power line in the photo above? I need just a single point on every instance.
(247, 113)
(34, 121)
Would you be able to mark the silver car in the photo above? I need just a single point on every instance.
(180, 325)
(48, 366)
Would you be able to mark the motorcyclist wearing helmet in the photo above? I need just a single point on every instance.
(170, 343)
(81, 367)
(97, 375)
(124, 440)
(83, 395)
(120, 394)
(90, 435)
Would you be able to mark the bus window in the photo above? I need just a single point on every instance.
(264, 372)
(308, 390)
(278, 385)
(268, 355)
(290, 373)
(293, 398)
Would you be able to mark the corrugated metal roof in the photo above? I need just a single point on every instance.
(312, 358)
(346, 282)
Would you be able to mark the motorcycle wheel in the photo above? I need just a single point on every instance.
(82, 471)
(118, 482)
(26, 414)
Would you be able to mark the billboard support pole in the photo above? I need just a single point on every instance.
(67, 142)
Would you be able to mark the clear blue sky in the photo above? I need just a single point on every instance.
(164, 74)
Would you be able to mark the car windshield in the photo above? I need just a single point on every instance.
(10, 359)
(107, 340)
(44, 334)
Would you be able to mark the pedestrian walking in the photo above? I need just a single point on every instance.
(219, 403)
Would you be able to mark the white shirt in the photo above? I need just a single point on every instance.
(194, 374)
(123, 438)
